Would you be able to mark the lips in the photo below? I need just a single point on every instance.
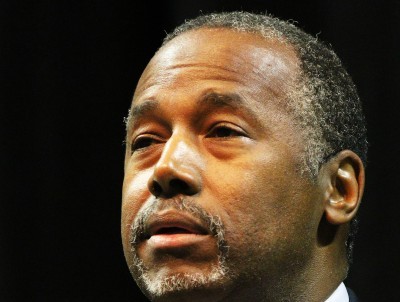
(174, 229)
(174, 222)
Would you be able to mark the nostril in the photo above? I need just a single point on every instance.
(178, 185)
(171, 187)
(156, 188)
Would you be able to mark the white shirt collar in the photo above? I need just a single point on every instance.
(339, 295)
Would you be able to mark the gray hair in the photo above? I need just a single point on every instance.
(325, 102)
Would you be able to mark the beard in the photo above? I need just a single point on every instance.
(158, 285)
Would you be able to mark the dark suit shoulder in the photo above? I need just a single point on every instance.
(352, 296)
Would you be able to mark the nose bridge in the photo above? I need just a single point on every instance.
(178, 153)
(178, 170)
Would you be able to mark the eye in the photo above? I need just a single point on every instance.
(143, 142)
(223, 130)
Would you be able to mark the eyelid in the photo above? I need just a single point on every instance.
(240, 131)
(145, 136)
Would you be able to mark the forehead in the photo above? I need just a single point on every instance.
(262, 72)
(253, 61)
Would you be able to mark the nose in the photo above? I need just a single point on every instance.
(178, 171)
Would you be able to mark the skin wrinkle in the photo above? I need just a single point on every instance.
(209, 102)
(149, 80)
(169, 55)
(153, 84)
(274, 94)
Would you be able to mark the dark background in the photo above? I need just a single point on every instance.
(67, 72)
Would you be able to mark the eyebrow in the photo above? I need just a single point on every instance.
(206, 104)
(217, 100)
(138, 111)
(212, 101)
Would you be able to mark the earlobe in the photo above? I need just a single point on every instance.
(347, 179)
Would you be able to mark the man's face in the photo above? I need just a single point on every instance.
(213, 194)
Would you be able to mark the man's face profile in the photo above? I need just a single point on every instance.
(214, 196)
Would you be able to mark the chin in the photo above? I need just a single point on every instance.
(182, 286)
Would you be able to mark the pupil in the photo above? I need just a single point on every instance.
(222, 132)
(145, 142)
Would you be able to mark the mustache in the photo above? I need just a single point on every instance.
(185, 205)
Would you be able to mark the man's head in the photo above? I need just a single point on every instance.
(241, 168)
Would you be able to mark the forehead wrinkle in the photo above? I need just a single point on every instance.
(168, 75)
(200, 65)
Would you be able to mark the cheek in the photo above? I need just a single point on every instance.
(260, 200)
(261, 182)
(245, 197)
(134, 195)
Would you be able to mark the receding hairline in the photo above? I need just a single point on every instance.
(270, 34)
(239, 25)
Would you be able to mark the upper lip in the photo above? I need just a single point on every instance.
(176, 221)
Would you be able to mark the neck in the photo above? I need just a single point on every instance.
(314, 282)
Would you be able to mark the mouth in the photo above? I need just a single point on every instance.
(173, 229)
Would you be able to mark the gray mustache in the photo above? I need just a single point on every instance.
(182, 204)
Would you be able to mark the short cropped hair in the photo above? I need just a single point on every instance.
(325, 101)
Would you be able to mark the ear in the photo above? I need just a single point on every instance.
(345, 176)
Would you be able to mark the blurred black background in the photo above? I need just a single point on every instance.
(67, 74)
